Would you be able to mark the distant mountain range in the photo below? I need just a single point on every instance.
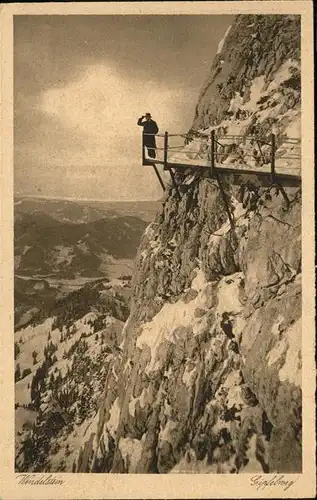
(71, 239)
(81, 212)
(44, 245)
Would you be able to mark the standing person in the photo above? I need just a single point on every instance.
(149, 127)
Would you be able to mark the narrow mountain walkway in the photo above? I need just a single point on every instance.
(276, 156)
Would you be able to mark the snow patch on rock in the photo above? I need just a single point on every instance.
(291, 370)
(140, 399)
(222, 41)
(228, 294)
(168, 319)
(189, 376)
(113, 422)
(131, 451)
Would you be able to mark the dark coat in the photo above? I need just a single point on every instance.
(149, 127)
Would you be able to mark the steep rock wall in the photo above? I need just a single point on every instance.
(210, 369)
(209, 376)
(259, 57)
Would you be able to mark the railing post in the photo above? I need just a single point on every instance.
(166, 167)
(212, 152)
(143, 151)
(272, 157)
(165, 149)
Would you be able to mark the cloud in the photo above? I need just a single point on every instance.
(102, 107)
(81, 82)
(82, 139)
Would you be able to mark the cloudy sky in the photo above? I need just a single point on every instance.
(81, 82)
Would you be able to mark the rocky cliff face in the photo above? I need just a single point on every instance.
(209, 379)
(257, 68)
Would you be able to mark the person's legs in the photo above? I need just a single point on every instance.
(151, 153)
(151, 149)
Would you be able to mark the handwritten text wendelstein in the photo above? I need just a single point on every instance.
(34, 479)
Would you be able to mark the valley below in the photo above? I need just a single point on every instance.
(68, 324)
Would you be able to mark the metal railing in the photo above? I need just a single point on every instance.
(248, 153)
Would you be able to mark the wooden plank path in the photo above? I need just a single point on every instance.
(232, 154)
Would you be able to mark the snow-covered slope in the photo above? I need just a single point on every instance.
(62, 364)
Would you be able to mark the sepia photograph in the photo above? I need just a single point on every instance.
(157, 246)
